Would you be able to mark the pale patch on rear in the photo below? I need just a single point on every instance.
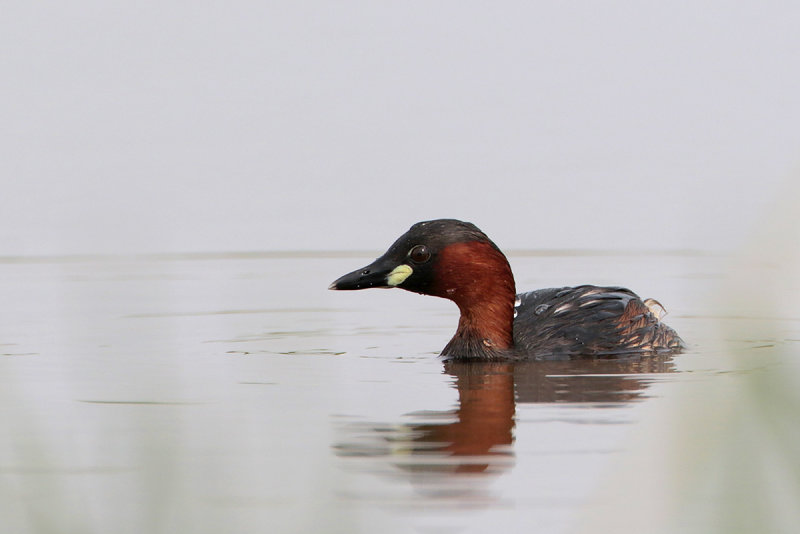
(655, 308)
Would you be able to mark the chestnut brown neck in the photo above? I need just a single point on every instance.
(476, 276)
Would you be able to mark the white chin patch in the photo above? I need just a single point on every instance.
(398, 275)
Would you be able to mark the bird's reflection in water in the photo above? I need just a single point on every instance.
(477, 436)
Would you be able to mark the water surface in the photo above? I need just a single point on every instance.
(235, 394)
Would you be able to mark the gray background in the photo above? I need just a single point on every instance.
(133, 127)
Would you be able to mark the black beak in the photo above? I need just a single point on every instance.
(376, 274)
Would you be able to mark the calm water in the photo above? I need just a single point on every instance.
(236, 394)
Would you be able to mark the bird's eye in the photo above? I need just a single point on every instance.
(419, 254)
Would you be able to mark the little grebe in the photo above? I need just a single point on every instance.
(454, 260)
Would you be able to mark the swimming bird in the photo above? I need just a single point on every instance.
(455, 260)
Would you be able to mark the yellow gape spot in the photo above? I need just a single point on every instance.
(398, 275)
